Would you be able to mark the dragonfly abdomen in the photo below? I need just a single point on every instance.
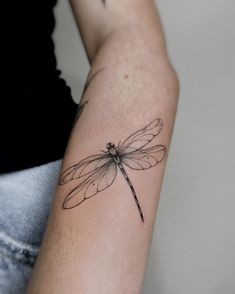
(132, 189)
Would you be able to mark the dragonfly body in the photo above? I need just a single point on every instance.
(98, 172)
(113, 152)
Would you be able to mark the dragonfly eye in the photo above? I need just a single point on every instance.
(110, 145)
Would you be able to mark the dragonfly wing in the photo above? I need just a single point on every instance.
(102, 180)
(84, 168)
(144, 158)
(95, 183)
(141, 138)
(76, 196)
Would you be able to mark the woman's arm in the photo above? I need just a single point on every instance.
(100, 226)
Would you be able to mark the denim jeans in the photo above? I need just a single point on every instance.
(25, 200)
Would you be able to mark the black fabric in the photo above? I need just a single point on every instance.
(36, 107)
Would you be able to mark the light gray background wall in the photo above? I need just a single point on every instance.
(193, 250)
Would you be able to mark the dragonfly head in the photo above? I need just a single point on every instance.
(110, 146)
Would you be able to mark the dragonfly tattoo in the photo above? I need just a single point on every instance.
(98, 172)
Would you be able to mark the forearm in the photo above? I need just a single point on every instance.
(101, 245)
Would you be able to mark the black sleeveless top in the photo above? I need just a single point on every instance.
(36, 107)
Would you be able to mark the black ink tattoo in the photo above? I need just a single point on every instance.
(90, 79)
(98, 172)
(83, 104)
(79, 111)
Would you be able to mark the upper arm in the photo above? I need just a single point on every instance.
(97, 19)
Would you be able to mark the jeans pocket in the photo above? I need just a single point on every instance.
(16, 263)
(20, 252)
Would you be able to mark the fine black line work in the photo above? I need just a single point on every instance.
(80, 109)
(98, 172)
(83, 104)
(90, 79)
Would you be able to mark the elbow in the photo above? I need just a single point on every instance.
(167, 83)
(173, 82)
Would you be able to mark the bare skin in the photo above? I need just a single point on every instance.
(102, 245)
